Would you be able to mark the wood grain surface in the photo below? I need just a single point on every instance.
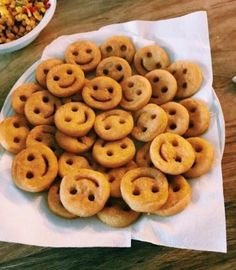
(81, 16)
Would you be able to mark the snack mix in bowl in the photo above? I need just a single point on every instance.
(19, 17)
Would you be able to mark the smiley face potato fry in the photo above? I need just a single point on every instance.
(102, 131)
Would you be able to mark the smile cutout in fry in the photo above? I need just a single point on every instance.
(120, 46)
(113, 125)
(102, 93)
(149, 58)
(65, 80)
(34, 168)
(84, 193)
(84, 53)
(115, 67)
(114, 154)
(171, 153)
(74, 119)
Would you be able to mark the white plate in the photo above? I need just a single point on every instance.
(199, 226)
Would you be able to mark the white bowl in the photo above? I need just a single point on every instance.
(28, 38)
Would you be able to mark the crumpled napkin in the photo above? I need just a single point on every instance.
(26, 218)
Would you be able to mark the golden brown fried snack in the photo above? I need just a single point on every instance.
(149, 58)
(85, 193)
(178, 117)
(54, 202)
(172, 154)
(114, 154)
(136, 92)
(65, 80)
(43, 69)
(164, 86)
(13, 133)
(179, 197)
(21, 94)
(115, 176)
(74, 119)
(44, 134)
(204, 157)
(114, 67)
(34, 168)
(113, 125)
(120, 46)
(40, 108)
(102, 93)
(188, 76)
(69, 163)
(143, 157)
(144, 189)
(199, 117)
(84, 53)
(76, 145)
(149, 121)
(117, 213)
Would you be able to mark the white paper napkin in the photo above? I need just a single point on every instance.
(26, 218)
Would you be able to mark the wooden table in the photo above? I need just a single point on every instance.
(81, 16)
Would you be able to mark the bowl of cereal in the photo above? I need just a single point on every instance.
(21, 21)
